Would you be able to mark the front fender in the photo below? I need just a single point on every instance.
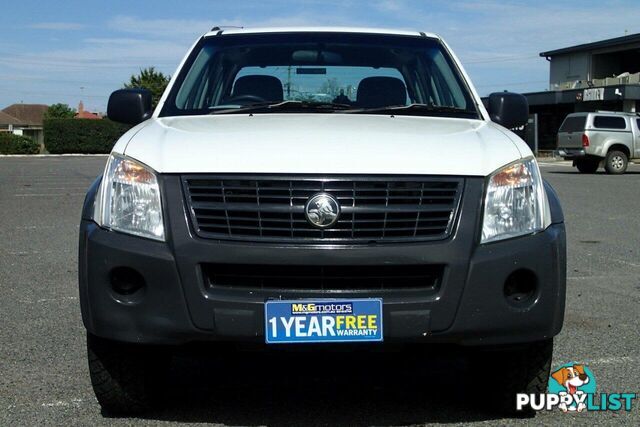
(90, 198)
(87, 214)
(557, 216)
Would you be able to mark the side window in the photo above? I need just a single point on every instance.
(609, 122)
(443, 86)
(447, 83)
(638, 123)
(202, 82)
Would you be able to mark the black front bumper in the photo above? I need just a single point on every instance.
(176, 306)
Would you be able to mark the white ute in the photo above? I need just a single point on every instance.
(320, 185)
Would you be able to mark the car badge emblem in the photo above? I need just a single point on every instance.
(322, 210)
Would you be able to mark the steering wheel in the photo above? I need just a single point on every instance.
(244, 99)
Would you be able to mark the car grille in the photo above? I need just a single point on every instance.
(323, 278)
(372, 209)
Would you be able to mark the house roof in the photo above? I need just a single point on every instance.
(86, 115)
(7, 119)
(27, 114)
(602, 44)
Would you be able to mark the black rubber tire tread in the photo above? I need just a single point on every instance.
(607, 162)
(511, 371)
(587, 165)
(125, 377)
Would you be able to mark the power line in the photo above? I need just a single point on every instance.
(512, 83)
(500, 59)
(78, 65)
(40, 92)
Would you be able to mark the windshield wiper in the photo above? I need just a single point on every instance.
(416, 108)
(280, 106)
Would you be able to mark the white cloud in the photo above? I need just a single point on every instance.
(57, 26)
(165, 28)
(389, 5)
(525, 28)
(98, 66)
(497, 41)
(182, 28)
(103, 54)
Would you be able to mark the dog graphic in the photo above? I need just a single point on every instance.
(571, 378)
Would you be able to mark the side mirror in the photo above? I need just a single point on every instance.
(508, 109)
(130, 106)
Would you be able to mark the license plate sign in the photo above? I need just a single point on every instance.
(314, 321)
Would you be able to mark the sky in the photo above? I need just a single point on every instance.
(67, 51)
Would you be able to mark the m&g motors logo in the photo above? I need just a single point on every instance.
(319, 308)
(572, 388)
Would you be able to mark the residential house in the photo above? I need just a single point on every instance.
(7, 122)
(24, 119)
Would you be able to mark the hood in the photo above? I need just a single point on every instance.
(322, 144)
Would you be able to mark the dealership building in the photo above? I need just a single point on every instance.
(603, 75)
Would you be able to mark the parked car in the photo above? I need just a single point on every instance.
(590, 139)
(399, 213)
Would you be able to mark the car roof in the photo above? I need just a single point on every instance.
(603, 113)
(354, 30)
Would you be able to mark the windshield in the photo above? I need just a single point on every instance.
(320, 72)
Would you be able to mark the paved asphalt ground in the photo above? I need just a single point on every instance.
(43, 370)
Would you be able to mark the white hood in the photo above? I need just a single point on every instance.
(321, 144)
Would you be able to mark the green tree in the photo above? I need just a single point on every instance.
(150, 79)
(59, 111)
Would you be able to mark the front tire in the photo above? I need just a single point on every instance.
(616, 162)
(587, 165)
(126, 378)
(503, 373)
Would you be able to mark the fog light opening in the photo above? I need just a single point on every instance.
(521, 287)
(126, 280)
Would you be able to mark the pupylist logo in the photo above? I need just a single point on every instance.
(573, 383)
(572, 388)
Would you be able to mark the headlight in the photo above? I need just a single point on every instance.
(130, 199)
(515, 202)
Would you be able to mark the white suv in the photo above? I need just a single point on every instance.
(297, 186)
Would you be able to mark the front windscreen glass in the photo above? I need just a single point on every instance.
(324, 73)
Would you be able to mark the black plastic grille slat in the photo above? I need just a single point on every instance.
(323, 278)
(372, 209)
